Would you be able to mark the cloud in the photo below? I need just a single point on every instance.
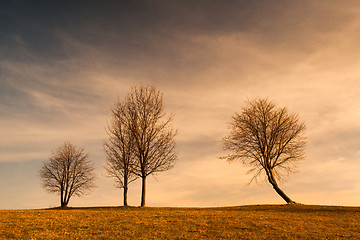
(63, 67)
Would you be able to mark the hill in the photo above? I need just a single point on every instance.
(249, 222)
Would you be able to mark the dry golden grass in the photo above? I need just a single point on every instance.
(246, 222)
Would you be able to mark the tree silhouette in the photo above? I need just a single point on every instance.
(142, 138)
(268, 139)
(120, 149)
(68, 172)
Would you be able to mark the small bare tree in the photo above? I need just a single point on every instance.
(268, 139)
(68, 172)
(119, 149)
(153, 136)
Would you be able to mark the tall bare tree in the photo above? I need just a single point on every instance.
(68, 172)
(120, 149)
(268, 139)
(152, 133)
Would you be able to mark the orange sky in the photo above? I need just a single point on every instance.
(62, 67)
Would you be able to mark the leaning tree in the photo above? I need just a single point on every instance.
(68, 172)
(268, 139)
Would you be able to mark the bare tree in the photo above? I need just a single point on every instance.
(152, 134)
(119, 149)
(68, 172)
(268, 139)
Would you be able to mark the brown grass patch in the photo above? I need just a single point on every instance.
(245, 222)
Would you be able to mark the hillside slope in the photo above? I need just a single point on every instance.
(249, 222)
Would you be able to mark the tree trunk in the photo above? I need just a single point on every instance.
(125, 194)
(281, 193)
(67, 199)
(273, 182)
(64, 204)
(62, 200)
(143, 191)
(61, 197)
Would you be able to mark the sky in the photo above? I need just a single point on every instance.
(64, 64)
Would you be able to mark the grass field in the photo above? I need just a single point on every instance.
(245, 222)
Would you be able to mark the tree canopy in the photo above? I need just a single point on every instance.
(268, 139)
(68, 172)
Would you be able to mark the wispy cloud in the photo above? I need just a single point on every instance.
(62, 68)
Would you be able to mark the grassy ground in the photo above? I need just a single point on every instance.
(245, 222)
